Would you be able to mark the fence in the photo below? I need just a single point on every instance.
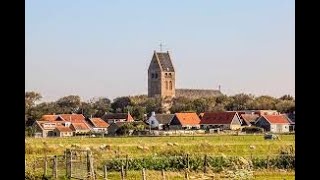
(79, 164)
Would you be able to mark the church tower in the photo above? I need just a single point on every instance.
(161, 76)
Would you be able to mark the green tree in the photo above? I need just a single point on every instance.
(182, 104)
(101, 106)
(240, 102)
(285, 106)
(69, 104)
(31, 98)
(265, 102)
(120, 103)
(153, 104)
(87, 109)
(287, 97)
(204, 104)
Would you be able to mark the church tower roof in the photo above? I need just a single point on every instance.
(164, 61)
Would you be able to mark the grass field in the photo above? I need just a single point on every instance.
(138, 147)
(213, 145)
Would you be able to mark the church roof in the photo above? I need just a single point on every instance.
(165, 61)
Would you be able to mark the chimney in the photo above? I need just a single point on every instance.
(153, 113)
(219, 87)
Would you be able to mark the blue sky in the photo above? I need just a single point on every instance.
(103, 48)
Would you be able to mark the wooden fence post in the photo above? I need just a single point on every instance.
(127, 166)
(188, 165)
(186, 175)
(205, 162)
(162, 174)
(68, 163)
(45, 167)
(122, 172)
(105, 172)
(90, 168)
(268, 162)
(143, 174)
(55, 165)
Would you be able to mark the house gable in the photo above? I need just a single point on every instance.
(175, 121)
(262, 122)
(236, 120)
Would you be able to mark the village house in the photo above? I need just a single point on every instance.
(44, 127)
(274, 123)
(248, 119)
(98, 125)
(63, 131)
(78, 123)
(222, 120)
(117, 117)
(188, 120)
(159, 121)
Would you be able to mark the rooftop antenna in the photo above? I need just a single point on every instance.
(219, 87)
(160, 47)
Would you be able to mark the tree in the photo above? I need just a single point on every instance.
(69, 104)
(240, 102)
(287, 97)
(265, 102)
(204, 104)
(102, 105)
(120, 103)
(285, 106)
(182, 104)
(31, 98)
(87, 109)
(153, 104)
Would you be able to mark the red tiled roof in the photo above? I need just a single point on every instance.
(276, 119)
(188, 118)
(99, 123)
(48, 118)
(217, 117)
(74, 118)
(63, 129)
(80, 126)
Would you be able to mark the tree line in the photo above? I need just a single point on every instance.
(140, 105)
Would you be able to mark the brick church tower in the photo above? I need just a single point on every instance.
(161, 76)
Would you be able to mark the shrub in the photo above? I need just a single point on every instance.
(252, 129)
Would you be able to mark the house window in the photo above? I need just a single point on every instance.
(170, 85)
(170, 74)
(166, 85)
(156, 76)
(152, 122)
(166, 74)
(152, 75)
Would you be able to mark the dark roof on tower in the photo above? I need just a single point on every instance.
(165, 61)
